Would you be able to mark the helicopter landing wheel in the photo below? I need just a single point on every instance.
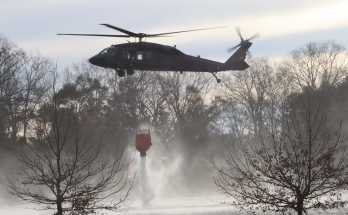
(120, 72)
(181, 72)
(217, 79)
(130, 71)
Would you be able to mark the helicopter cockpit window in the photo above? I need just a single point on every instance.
(149, 55)
(104, 51)
(139, 55)
(113, 53)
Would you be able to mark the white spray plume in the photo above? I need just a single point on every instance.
(148, 194)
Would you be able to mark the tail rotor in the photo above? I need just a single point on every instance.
(243, 41)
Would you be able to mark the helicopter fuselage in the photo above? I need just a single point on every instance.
(153, 57)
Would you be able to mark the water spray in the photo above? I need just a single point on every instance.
(142, 144)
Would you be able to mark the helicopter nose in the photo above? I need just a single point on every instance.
(95, 60)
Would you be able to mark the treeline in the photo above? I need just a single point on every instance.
(189, 110)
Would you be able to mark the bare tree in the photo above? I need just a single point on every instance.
(299, 166)
(65, 169)
(317, 63)
(12, 60)
(249, 99)
(29, 87)
(33, 81)
(181, 93)
(21, 87)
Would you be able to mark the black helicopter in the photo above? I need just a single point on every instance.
(127, 57)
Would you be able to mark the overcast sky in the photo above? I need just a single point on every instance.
(283, 25)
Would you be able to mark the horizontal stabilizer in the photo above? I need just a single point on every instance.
(241, 65)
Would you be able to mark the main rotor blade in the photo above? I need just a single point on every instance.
(229, 50)
(122, 30)
(238, 32)
(255, 36)
(152, 35)
(158, 36)
(96, 35)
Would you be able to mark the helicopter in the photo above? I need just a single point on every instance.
(142, 55)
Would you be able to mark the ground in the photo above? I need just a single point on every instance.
(171, 206)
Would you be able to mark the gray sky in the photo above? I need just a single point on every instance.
(283, 25)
